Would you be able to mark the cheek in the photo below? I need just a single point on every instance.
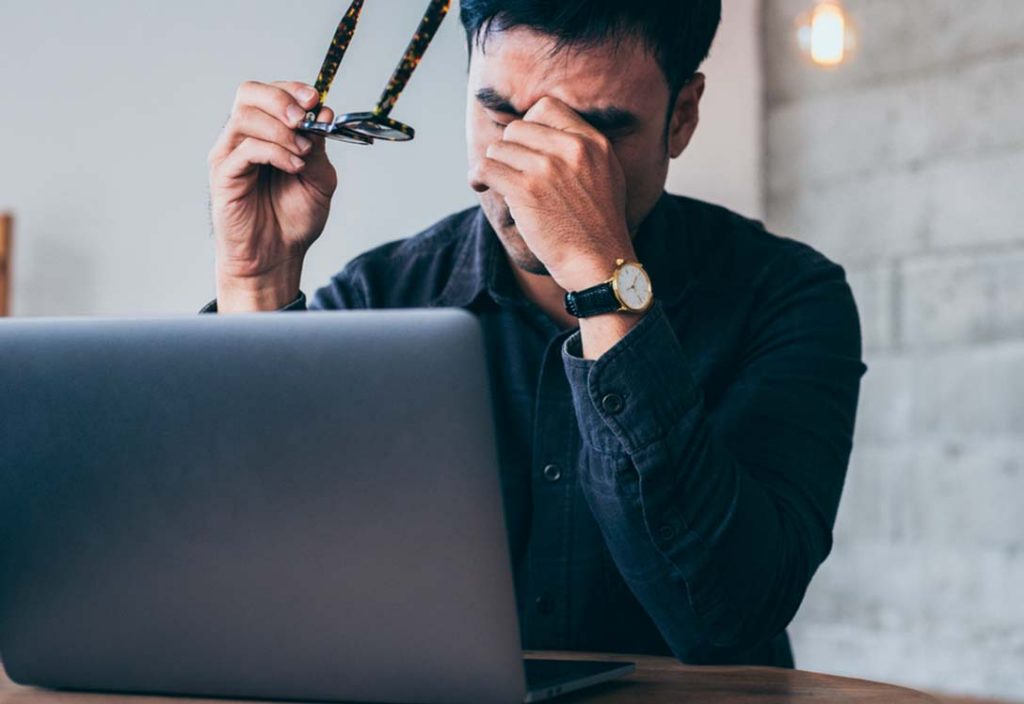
(480, 133)
(645, 171)
(643, 163)
(474, 144)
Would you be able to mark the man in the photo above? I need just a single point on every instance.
(671, 470)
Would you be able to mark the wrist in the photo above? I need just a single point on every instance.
(584, 272)
(600, 333)
(268, 291)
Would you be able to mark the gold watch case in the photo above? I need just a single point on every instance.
(621, 264)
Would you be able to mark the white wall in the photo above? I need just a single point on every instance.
(110, 108)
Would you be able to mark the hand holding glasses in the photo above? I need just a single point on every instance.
(365, 127)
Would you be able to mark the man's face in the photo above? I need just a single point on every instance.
(621, 90)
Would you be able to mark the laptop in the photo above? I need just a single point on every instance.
(272, 506)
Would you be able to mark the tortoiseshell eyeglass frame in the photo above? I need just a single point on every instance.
(366, 127)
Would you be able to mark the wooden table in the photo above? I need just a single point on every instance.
(656, 680)
(6, 228)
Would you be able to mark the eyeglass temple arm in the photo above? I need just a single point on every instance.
(335, 53)
(432, 19)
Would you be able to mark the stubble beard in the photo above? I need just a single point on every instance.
(519, 254)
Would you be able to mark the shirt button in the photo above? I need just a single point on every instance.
(666, 531)
(552, 473)
(544, 604)
(612, 403)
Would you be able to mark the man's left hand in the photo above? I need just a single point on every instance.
(565, 189)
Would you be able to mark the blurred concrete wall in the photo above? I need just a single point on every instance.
(907, 166)
(110, 109)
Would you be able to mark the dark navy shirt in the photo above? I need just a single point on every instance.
(676, 495)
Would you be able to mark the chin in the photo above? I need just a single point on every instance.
(518, 253)
(504, 225)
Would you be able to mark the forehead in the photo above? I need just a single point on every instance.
(523, 66)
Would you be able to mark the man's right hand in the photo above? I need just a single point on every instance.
(270, 192)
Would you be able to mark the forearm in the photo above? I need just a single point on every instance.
(600, 333)
(268, 291)
(713, 521)
(715, 560)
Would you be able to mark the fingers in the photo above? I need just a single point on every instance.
(288, 101)
(262, 131)
(544, 159)
(319, 172)
(490, 173)
(248, 122)
(319, 143)
(556, 114)
(519, 157)
(253, 152)
(269, 113)
(553, 127)
(326, 115)
(544, 139)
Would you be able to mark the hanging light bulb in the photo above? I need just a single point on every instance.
(825, 33)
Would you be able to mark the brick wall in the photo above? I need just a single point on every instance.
(907, 167)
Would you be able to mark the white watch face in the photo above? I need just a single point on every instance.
(634, 287)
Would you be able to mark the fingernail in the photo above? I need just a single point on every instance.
(307, 94)
(297, 162)
(294, 114)
(303, 143)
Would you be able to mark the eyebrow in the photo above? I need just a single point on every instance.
(607, 119)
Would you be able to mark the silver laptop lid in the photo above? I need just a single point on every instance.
(276, 505)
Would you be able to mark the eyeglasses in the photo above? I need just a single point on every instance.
(366, 127)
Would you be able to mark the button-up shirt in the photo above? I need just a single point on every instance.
(676, 495)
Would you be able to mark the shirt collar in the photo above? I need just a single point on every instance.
(481, 267)
(664, 245)
(473, 262)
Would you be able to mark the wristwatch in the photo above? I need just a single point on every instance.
(628, 291)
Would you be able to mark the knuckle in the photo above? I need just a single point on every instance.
(246, 147)
(280, 133)
(239, 123)
(577, 151)
(241, 116)
(281, 100)
(245, 89)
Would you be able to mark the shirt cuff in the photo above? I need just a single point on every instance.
(298, 304)
(637, 391)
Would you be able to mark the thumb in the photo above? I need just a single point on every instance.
(319, 149)
(319, 169)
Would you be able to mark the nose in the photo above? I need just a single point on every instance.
(475, 181)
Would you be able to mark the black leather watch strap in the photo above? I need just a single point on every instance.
(592, 301)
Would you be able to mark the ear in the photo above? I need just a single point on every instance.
(685, 115)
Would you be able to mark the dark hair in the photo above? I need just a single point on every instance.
(677, 32)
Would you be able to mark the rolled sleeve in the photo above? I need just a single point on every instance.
(299, 304)
(636, 392)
